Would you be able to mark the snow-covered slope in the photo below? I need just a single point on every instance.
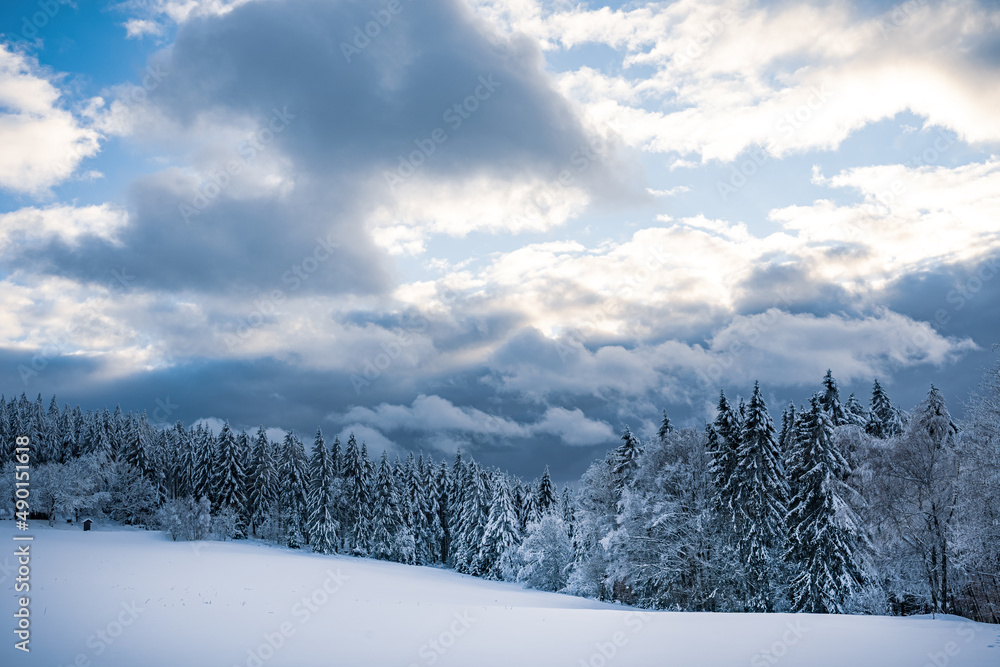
(134, 598)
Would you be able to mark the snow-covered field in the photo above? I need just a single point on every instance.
(135, 598)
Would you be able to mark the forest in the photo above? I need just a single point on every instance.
(837, 507)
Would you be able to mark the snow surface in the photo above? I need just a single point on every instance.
(214, 604)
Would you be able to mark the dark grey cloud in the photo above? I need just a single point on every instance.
(790, 287)
(234, 246)
(364, 109)
(959, 299)
(434, 89)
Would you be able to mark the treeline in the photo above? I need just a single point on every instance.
(840, 508)
(233, 485)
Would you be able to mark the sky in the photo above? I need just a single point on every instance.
(507, 228)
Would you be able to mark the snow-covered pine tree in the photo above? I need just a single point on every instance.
(293, 471)
(116, 431)
(342, 509)
(414, 507)
(568, 511)
(39, 431)
(364, 529)
(529, 511)
(336, 457)
(759, 494)
(460, 480)
(135, 448)
(79, 430)
(821, 527)
(723, 446)
(229, 476)
(445, 509)
(244, 445)
(830, 400)
(322, 500)
(205, 457)
(161, 457)
(186, 462)
(472, 518)
(883, 418)
(51, 438)
(517, 492)
(786, 436)
(358, 482)
(665, 427)
(390, 539)
(263, 481)
(546, 496)
(69, 445)
(56, 425)
(434, 530)
(501, 536)
(101, 438)
(857, 414)
(625, 458)
(170, 460)
(7, 443)
(5, 430)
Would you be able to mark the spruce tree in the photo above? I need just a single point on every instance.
(883, 418)
(759, 494)
(204, 459)
(444, 508)
(263, 483)
(102, 437)
(723, 447)
(40, 432)
(546, 496)
(434, 530)
(857, 415)
(414, 506)
(116, 431)
(665, 427)
(388, 529)
(357, 479)
(135, 448)
(517, 493)
(786, 437)
(471, 519)
(830, 400)
(529, 512)
(186, 461)
(229, 475)
(65, 433)
(568, 511)
(625, 458)
(322, 499)
(7, 433)
(336, 457)
(822, 536)
(294, 485)
(501, 536)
